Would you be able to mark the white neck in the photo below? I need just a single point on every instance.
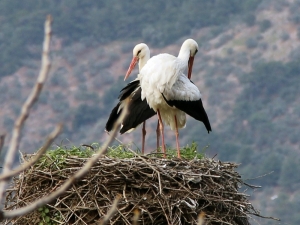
(184, 54)
(143, 60)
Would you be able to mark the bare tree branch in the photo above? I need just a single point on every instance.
(111, 211)
(136, 216)
(5, 214)
(32, 98)
(201, 218)
(2, 139)
(33, 160)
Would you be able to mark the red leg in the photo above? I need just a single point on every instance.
(161, 126)
(177, 139)
(157, 135)
(143, 137)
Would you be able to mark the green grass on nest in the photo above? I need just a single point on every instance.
(56, 158)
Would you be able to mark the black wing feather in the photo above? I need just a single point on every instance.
(124, 93)
(194, 109)
(139, 111)
(129, 89)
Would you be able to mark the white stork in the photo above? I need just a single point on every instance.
(170, 93)
(141, 54)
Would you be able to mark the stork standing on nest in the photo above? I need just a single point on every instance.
(170, 93)
(139, 110)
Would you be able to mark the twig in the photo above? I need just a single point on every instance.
(138, 185)
(111, 211)
(265, 217)
(157, 170)
(263, 175)
(159, 153)
(143, 160)
(159, 183)
(214, 156)
(2, 139)
(32, 98)
(136, 216)
(89, 146)
(201, 218)
(251, 185)
(65, 186)
(34, 159)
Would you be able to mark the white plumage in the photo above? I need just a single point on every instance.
(165, 91)
(183, 89)
(163, 75)
(159, 76)
(141, 54)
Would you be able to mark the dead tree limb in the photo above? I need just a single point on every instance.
(136, 216)
(33, 160)
(32, 98)
(111, 211)
(5, 214)
(201, 218)
(2, 139)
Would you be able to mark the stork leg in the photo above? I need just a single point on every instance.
(143, 137)
(161, 127)
(157, 135)
(177, 138)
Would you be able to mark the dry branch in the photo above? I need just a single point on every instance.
(62, 187)
(16, 136)
(34, 159)
(32, 98)
(136, 216)
(111, 212)
(2, 139)
(201, 218)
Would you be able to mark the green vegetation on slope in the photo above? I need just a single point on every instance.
(260, 129)
(263, 131)
(105, 21)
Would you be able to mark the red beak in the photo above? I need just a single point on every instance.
(131, 66)
(190, 66)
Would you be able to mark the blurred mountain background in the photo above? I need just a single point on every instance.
(247, 68)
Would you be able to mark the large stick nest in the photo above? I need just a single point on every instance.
(165, 191)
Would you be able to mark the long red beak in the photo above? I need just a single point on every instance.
(190, 66)
(131, 66)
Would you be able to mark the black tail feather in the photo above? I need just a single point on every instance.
(114, 115)
(194, 109)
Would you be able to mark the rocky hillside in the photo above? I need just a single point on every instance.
(247, 71)
(85, 77)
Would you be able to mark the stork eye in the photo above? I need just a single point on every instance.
(139, 52)
(196, 51)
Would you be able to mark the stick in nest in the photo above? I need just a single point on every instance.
(201, 218)
(65, 186)
(187, 188)
(111, 211)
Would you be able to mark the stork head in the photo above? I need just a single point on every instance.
(191, 46)
(140, 53)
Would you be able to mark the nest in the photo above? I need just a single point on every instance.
(163, 191)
